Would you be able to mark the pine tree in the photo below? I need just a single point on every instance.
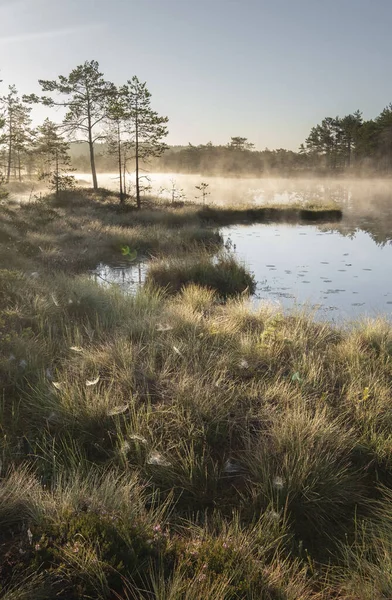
(116, 138)
(54, 162)
(16, 134)
(86, 98)
(240, 143)
(144, 127)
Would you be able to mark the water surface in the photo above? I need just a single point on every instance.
(127, 275)
(343, 276)
(344, 268)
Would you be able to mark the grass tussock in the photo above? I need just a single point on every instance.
(158, 446)
(181, 445)
(224, 275)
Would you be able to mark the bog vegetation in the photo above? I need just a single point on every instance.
(175, 442)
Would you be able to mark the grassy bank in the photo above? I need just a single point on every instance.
(82, 228)
(170, 446)
(175, 447)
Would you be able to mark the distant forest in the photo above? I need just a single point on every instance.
(111, 128)
(336, 145)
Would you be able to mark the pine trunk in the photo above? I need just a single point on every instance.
(138, 200)
(92, 162)
(91, 148)
(119, 164)
(9, 151)
(57, 172)
(19, 168)
(124, 172)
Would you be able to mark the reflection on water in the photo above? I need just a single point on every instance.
(128, 276)
(344, 276)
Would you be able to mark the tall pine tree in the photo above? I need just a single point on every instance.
(16, 134)
(145, 129)
(85, 95)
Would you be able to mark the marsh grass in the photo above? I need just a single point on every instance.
(223, 274)
(81, 228)
(79, 231)
(176, 446)
(189, 448)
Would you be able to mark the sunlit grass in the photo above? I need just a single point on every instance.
(179, 443)
(82, 228)
(155, 444)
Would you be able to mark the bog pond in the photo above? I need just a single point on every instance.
(342, 270)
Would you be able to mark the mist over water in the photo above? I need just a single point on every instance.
(366, 203)
(353, 194)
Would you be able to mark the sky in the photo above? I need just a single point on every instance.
(267, 70)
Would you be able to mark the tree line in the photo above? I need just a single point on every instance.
(230, 159)
(351, 142)
(346, 144)
(121, 132)
(336, 145)
(95, 111)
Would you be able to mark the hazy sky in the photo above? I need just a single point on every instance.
(264, 69)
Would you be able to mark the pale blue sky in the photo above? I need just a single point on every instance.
(264, 69)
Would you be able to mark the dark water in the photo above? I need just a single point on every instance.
(344, 276)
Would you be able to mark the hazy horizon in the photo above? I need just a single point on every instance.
(265, 70)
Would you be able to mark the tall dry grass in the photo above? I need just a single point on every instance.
(174, 447)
